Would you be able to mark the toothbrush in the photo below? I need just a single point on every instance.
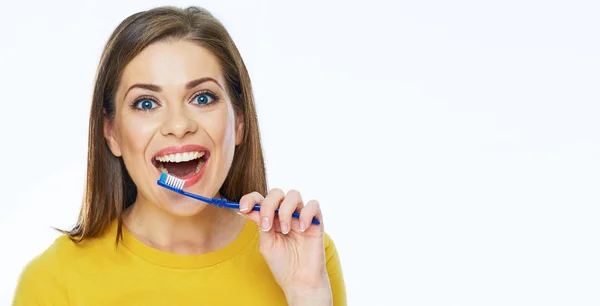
(176, 184)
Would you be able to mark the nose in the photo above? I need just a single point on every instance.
(178, 123)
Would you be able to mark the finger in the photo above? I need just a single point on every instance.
(291, 203)
(248, 201)
(268, 207)
(310, 211)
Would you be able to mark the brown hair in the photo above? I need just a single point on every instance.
(109, 188)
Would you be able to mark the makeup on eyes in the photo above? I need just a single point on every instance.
(208, 98)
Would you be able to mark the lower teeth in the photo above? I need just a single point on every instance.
(200, 163)
(162, 167)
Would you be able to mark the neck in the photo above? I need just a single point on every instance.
(209, 230)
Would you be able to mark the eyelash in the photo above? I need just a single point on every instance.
(214, 96)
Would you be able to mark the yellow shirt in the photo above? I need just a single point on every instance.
(97, 272)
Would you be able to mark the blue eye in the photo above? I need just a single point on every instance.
(145, 104)
(205, 98)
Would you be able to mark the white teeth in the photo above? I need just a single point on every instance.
(199, 167)
(179, 157)
(162, 168)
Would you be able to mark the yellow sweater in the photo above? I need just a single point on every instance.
(96, 272)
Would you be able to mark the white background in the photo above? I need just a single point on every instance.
(454, 145)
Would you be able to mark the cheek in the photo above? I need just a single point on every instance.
(134, 135)
(229, 133)
(221, 130)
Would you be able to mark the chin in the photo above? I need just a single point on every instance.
(185, 207)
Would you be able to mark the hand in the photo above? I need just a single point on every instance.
(293, 248)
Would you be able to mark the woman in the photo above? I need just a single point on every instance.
(172, 95)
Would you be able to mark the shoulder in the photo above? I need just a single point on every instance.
(334, 270)
(43, 275)
(332, 258)
(64, 253)
(330, 248)
(51, 258)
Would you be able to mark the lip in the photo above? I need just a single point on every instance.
(189, 181)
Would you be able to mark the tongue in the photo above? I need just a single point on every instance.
(182, 169)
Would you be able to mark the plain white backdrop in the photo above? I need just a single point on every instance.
(454, 145)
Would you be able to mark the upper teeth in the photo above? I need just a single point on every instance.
(179, 157)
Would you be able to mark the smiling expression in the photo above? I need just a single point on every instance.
(174, 115)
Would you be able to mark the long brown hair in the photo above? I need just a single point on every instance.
(109, 188)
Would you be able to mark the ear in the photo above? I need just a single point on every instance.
(110, 139)
(239, 128)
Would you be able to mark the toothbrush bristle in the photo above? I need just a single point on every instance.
(174, 182)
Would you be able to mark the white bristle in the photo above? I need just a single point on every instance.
(175, 182)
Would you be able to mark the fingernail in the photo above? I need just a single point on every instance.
(302, 228)
(265, 224)
(243, 206)
(284, 227)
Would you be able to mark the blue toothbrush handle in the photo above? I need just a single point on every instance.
(219, 202)
(294, 215)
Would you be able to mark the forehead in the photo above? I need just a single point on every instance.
(171, 63)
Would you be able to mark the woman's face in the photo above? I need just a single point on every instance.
(173, 115)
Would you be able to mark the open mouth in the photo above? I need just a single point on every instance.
(181, 165)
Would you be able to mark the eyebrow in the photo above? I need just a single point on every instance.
(191, 84)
